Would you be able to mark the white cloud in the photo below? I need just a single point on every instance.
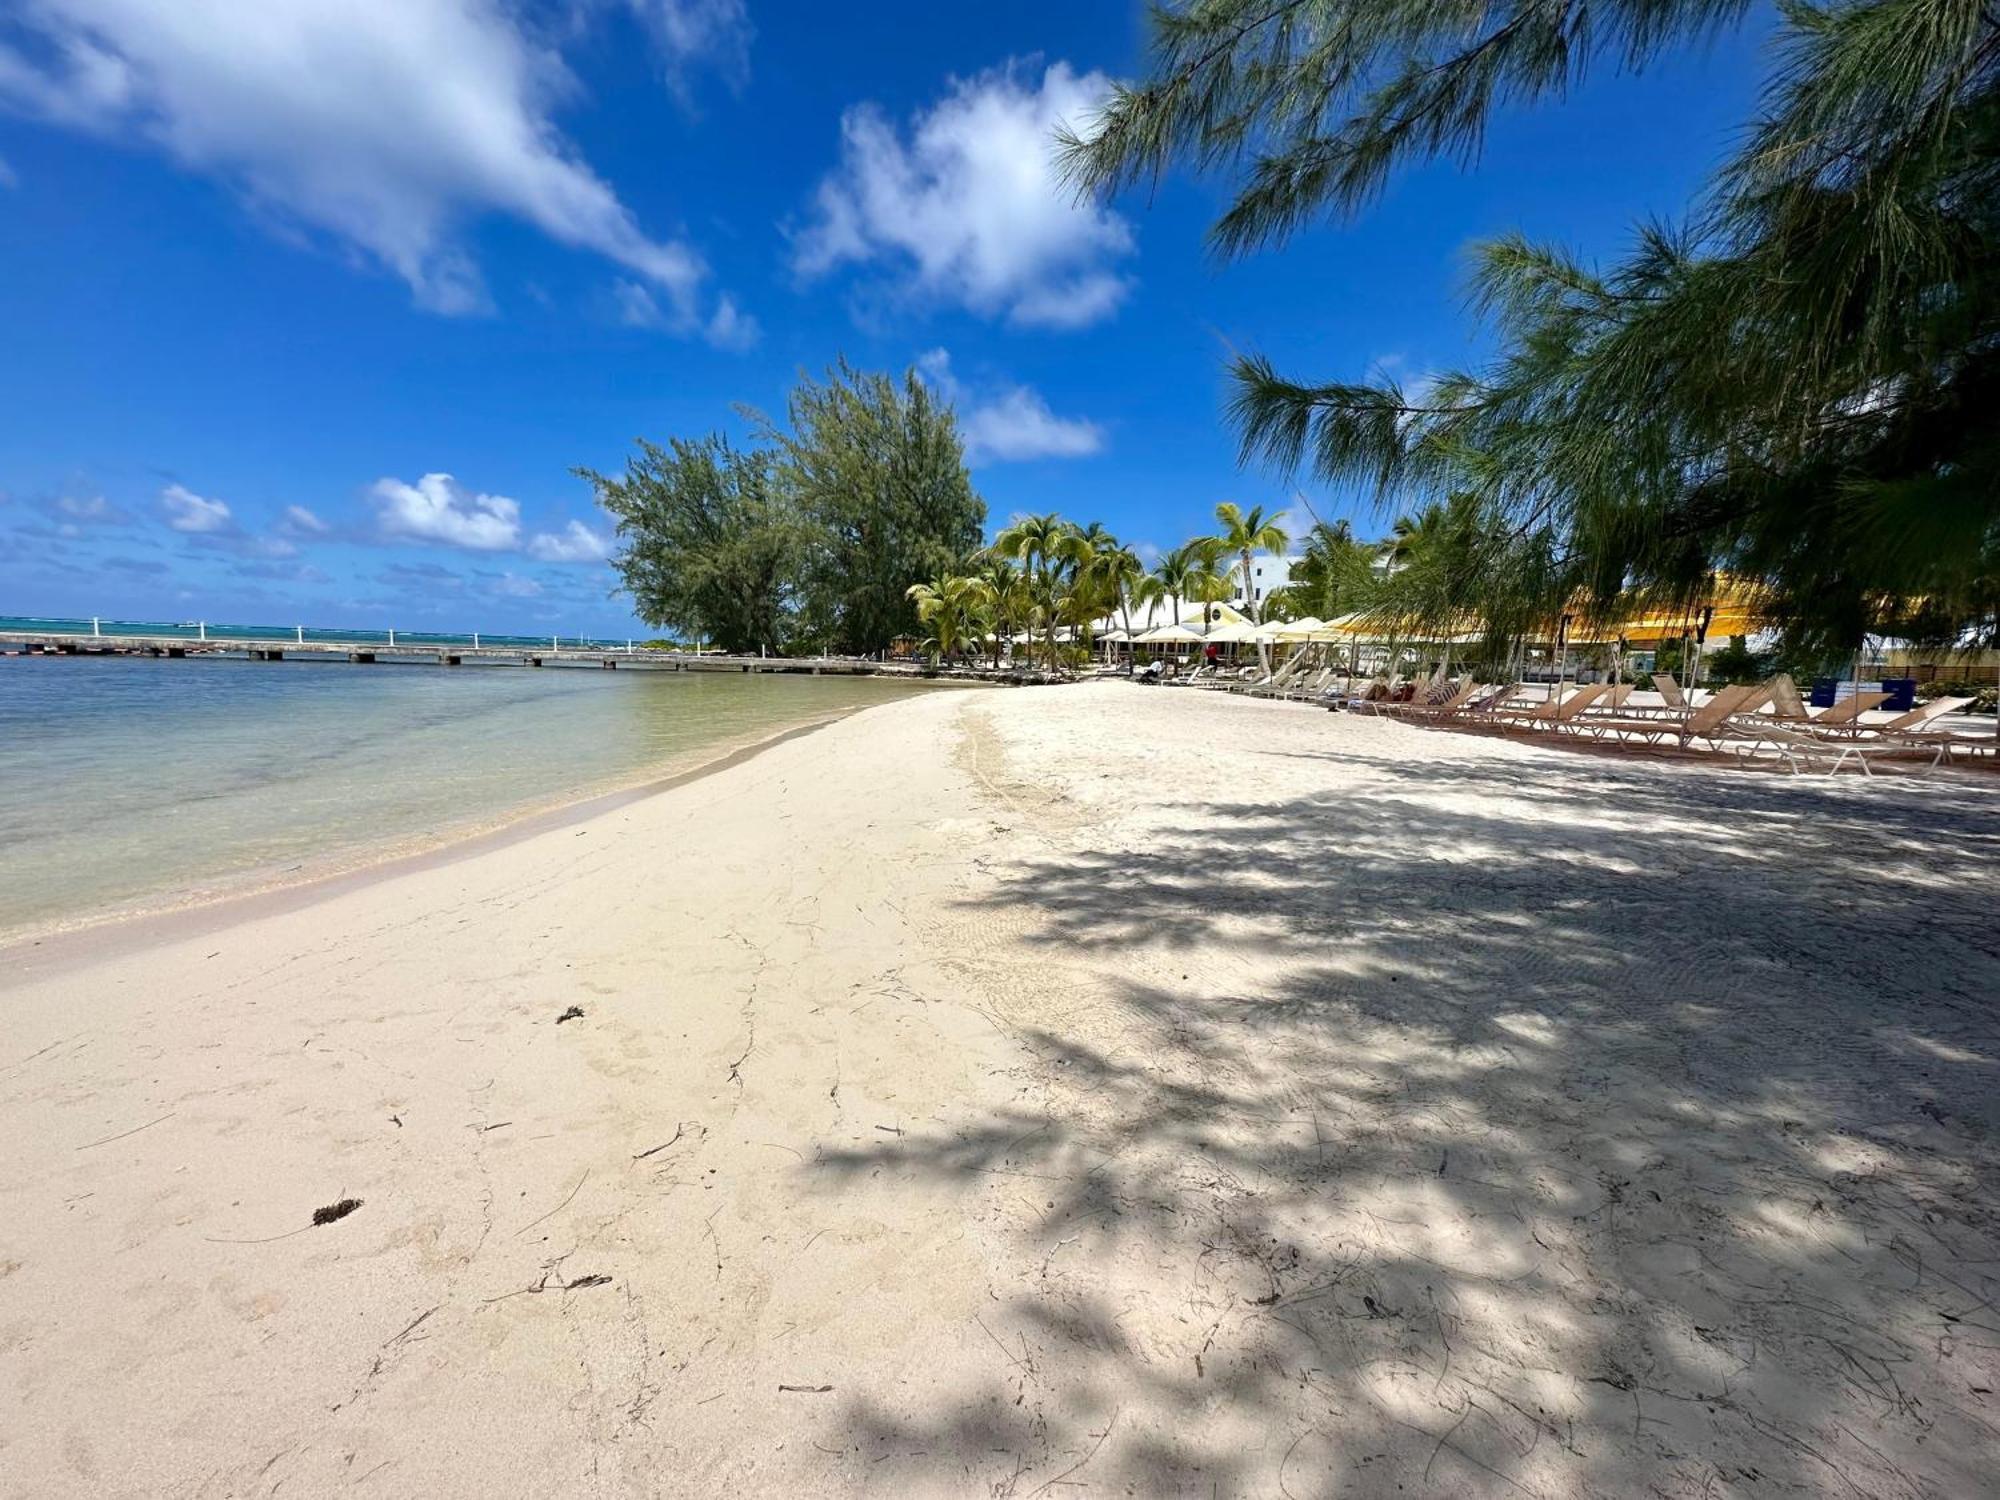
(1011, 424)
(513, 586)
(94, 511)
(727, 327)
(686, 32)
(298, 518)
(438, 509)
(576, 542)
(731, 328)
(189, 512)
(637, 307)
(8, 176)
(386, 124)
(969, 208)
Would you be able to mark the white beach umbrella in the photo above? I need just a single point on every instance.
(1170, 634)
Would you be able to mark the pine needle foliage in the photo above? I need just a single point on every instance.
(1799, 385)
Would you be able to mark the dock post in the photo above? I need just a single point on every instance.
(302, 635)
(392, 637)
(93, 626)
(203, 628)
(475, 640)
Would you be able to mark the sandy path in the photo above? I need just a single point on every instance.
(1102, 1090)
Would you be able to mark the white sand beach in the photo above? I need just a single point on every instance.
(1091, 1090)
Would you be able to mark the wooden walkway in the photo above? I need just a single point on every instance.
(425, 652)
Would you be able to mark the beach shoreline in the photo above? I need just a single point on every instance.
(160, 915)
(1094, 1087)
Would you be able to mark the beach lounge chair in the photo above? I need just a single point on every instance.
(1913, 721)
(1274, 682)
(1669, 690)
(1373, 698)
(1909, 729)
(1848, 710)
(1489, 703)
(1701, 723)
(1307, 685)
(1442, 707)
(1785, 700)
(1555, 710)
(1800, 748)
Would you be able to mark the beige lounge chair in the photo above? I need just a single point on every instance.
(1785, 700)
(1669, 690)
(1799, 747)
(1848, 710)
(1555, 711)
(1703, 723)
(1444, 708)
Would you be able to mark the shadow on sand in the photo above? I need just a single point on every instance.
(1517, 1126)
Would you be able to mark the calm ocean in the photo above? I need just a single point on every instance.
(127, 782)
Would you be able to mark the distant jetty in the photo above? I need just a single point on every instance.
(108, 638)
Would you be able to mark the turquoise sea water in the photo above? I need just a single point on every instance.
(127, 782)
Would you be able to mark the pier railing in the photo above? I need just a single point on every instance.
(100, 637)
(205, 632)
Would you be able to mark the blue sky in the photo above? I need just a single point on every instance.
(309, 307)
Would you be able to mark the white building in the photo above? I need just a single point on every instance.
(1267, 572)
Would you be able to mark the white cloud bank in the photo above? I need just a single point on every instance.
(726, 327)
(575, 543)
(383, 123)
(1012, 424)
(716, 33)
(969, 208)
(437, 508)
(192, 513)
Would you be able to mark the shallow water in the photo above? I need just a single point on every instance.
(127, 781)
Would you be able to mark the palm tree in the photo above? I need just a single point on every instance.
(1244, 533)
(1170, 579)
(1050, 550)
(950, 606)
(1207, 576)
(1006, 595)
(1334, 575)
(1122, 575)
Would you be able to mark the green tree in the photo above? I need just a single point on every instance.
(1122, 576)
(955, 608)
(877, 471)
(711, 548)
(1009, 598)
(1245, 533)
(1334, 574)
(1796, 386)
(1208, 574)
(1052, 553)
